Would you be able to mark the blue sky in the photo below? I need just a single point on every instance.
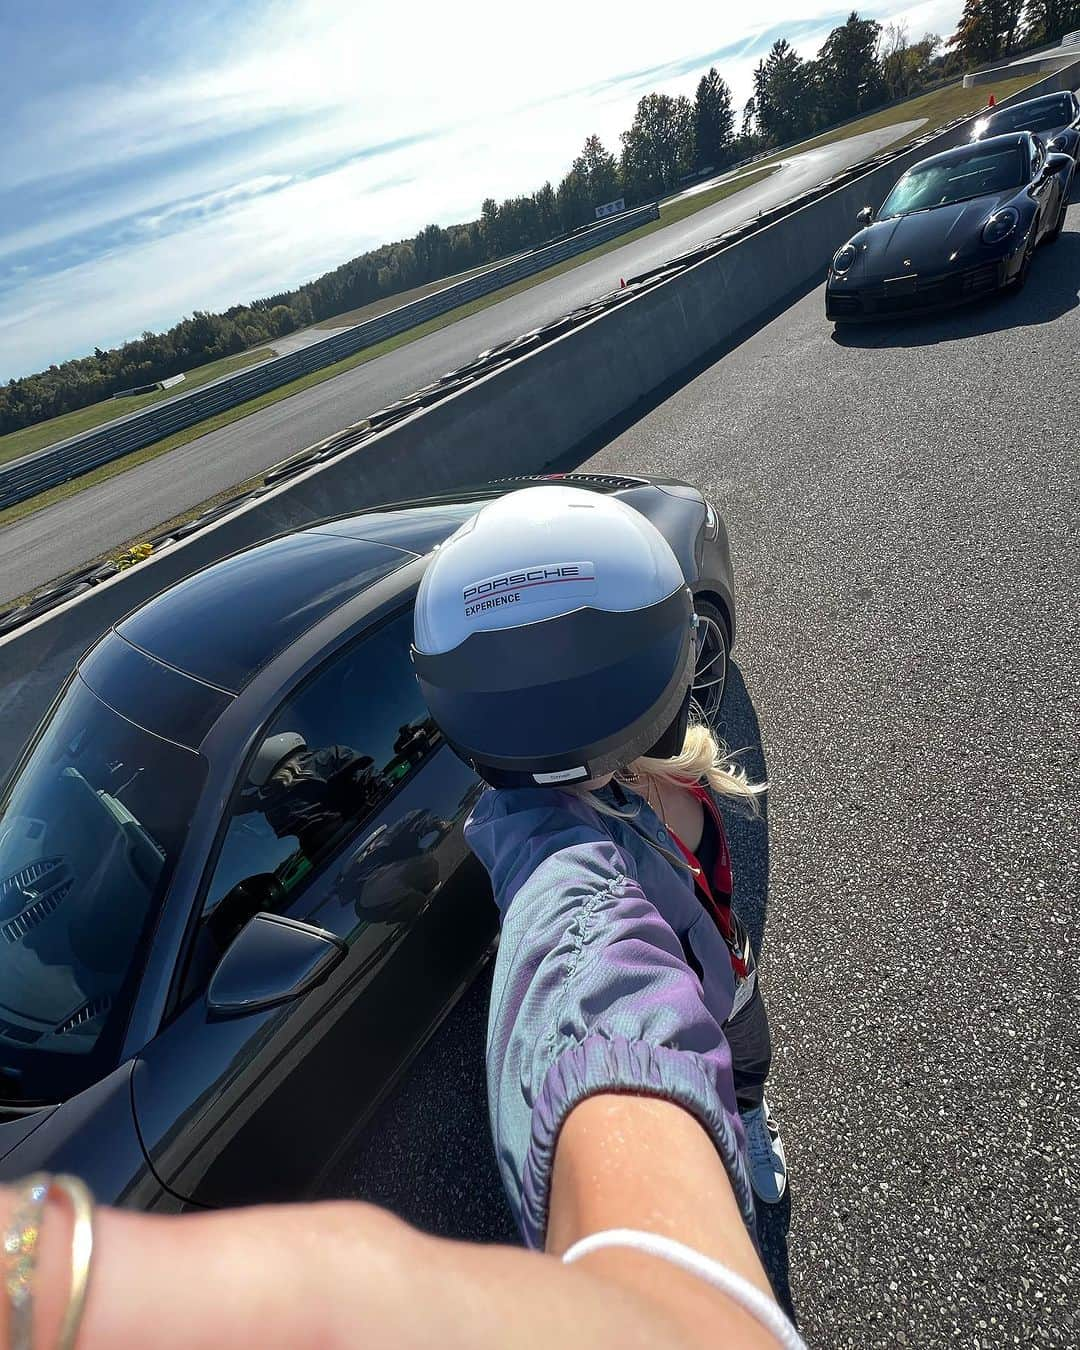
(168, 157)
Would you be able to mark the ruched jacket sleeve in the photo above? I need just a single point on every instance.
(593, 990)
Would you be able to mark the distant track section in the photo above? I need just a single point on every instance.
(57, 464)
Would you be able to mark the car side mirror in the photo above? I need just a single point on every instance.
(1056, 163)
(865, 216)
(272, 960)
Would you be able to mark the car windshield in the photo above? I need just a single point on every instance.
(941, 182)
(1046, 118)
(90, 829)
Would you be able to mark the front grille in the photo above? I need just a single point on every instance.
(845, 304)
(951, 287)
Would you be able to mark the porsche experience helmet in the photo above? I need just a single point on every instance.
(554, 638)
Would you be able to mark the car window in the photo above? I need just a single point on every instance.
(1044, 118)
(1037, 158)
(941, 182)
(90, 830)
(330, 757)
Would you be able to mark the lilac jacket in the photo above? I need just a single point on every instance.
(593, 991)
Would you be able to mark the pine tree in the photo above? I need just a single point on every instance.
(849, 73)
(714, 122)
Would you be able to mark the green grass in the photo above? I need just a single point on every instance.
(41, 434)
(938, 107)
(669, 213)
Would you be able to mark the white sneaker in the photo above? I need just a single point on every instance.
(765, 1153)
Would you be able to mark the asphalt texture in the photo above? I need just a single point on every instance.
(40, 547)
(904, 509)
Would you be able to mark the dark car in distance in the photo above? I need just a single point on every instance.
(955, 227)
(1054, 118)
(235, 896)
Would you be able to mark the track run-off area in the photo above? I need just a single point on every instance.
(43, 546)
(904, 511)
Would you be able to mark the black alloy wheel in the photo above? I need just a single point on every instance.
(711, 667)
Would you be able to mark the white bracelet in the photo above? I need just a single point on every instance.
(748, 1296)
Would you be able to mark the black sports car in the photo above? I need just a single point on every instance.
(955, 227)
(1054, 117)
(235, 896)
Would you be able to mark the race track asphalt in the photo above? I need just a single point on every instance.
(904, 510)
(35, 550)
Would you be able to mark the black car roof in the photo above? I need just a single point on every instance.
(961, 152)
(223, 624)
(1044, 100)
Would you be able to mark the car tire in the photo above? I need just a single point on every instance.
(714, 652)
(1059, 225)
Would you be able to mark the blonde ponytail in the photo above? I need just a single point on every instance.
(703, 759)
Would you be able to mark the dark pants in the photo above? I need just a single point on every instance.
(751, 1050)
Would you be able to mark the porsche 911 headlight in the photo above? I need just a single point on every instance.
(1001, 225)
(844, 259)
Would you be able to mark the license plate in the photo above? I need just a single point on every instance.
(901, 285)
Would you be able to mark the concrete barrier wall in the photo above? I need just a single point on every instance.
(1031, 65)
(516, 420)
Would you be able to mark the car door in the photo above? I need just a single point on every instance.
(351, 822)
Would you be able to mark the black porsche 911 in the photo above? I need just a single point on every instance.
(1055, 118)
(235, 897)
(955, 227)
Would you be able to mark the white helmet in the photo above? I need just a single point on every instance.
(554, 638)
(272, 754)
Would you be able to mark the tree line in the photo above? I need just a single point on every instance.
(671, 140)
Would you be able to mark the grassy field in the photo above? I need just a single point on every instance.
(676, 210)
(41, 434)
(943, 105)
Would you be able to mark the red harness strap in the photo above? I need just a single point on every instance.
(715, 890)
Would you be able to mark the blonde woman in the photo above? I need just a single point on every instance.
(621, 966)
(683, 792)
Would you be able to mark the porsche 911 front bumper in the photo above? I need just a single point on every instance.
(917, 294)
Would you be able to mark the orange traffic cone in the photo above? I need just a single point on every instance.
(622, 284)
(991, 102)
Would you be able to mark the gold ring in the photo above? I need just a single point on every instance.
(82, 1249)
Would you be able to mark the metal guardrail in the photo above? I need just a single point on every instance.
(59, 463)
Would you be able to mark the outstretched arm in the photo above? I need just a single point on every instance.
(336, 1275)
